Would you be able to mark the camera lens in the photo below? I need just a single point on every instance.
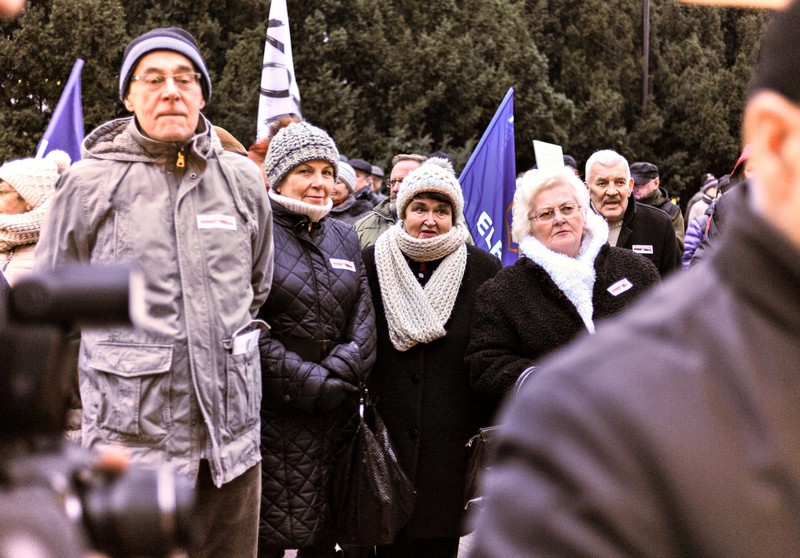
(143, 513)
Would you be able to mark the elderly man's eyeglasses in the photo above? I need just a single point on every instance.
(395, 182)
(549, 213)
(153, 81)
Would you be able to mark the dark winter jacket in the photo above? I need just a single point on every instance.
(521, 315)
(720, 213)
(322, 325)
(648, 231)
(351, 210)
(660, 199)
(427, 404)
(673, 431)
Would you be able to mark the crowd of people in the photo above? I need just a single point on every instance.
(657, 418)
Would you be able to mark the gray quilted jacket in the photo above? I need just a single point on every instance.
(320, 302)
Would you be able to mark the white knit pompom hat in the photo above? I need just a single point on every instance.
(434, 175)
(35, 179)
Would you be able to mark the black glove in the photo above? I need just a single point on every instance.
(333, 392)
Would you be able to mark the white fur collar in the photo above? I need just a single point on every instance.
(574, 276)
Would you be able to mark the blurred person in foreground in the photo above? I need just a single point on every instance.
(320, 348)
(652, 440)
(424, 279)
(567, 279)
(157, 189)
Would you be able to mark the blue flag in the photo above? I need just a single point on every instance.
(489, 181)
(65, 131)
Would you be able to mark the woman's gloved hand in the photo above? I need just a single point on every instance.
(333, 392)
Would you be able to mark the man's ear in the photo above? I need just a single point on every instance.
(128, 104)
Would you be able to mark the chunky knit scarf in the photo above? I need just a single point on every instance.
(415, 314)
(23, 228)
(574, 276)
(313, 212)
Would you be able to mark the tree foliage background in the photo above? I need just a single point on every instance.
(393, 76)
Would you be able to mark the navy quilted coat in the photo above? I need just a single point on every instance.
(319, 292)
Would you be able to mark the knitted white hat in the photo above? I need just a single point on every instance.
(348, 175)
(299, 142)
(434, 175)
(35, 179)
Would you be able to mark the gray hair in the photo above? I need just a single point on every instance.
(408, 157)
(535, 181)
(607, 158)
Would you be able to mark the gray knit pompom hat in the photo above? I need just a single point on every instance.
(434, 175)
(299, 142)
(35, 179)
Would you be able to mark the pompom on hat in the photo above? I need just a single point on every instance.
(296, 143)
(35, 179)
(434, 175)
(166, 38)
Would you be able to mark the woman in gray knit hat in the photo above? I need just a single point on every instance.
(321, 344)
(26, 188)
(424, 277)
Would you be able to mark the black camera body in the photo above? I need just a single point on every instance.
(54, 500)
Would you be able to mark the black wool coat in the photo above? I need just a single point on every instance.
(648, 231)
(521, 315)
(424, 397)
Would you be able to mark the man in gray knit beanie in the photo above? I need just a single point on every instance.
(182, 390)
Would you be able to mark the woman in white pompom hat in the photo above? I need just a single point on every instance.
(26, 188)
(424, 277)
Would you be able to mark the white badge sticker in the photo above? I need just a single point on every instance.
(244, 342)
(642, 248)
(216, 222)
(620, 287)
(343, 264)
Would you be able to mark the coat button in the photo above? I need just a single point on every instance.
(413, 432)
(193, 175)
(415, 379)
(287, 398)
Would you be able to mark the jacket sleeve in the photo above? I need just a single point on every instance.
(493, 353)
(352, 360)
(289, 382)
(694, 235)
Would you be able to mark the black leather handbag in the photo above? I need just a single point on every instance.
(373, 498)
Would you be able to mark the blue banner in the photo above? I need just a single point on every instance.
(489, 181)
(65, 131)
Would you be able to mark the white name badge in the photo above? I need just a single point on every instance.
(244, 342)
(642, 248)
(216, 222)
(620, 287)
(343, 264)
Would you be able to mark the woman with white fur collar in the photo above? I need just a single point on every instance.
(566, 279)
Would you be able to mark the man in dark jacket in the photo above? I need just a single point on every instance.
(645, 230)
(647, 189)
(651, 440)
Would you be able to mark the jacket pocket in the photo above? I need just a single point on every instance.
(134, 384)
(243, 382)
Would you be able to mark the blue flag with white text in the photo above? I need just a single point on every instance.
(65, 131)
(489, 181)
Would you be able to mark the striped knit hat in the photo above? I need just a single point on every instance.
(298, 142)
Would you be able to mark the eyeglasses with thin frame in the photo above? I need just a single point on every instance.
(155, 81)
(547, 214)
(395, 182)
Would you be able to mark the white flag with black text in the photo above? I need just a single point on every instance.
(279, 94)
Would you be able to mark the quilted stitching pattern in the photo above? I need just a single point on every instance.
(311, 300)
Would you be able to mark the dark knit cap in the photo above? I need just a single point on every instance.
(643, 172)
(167, 38)
(778, 66)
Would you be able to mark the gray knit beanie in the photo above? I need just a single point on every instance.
(168, 38)
(299, 142)
(35, 179)
(347, 174)
(434, 175)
